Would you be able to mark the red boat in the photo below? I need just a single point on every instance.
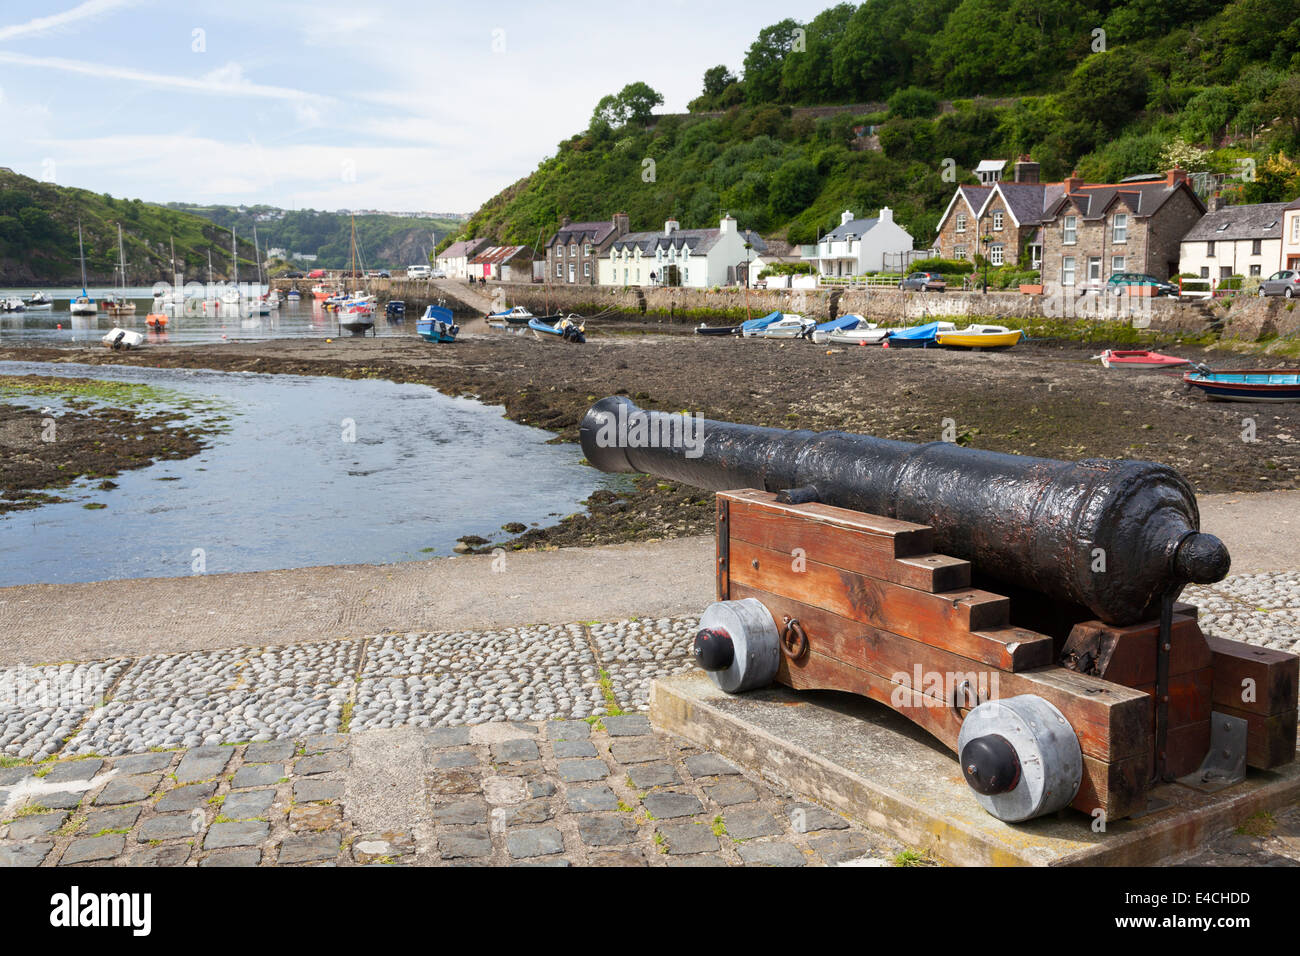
(1139, 359)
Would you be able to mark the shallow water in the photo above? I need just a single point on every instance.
(58, 328)
(283, 488)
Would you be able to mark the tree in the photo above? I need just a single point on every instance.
(1284, 105)
(809, 76)
(765, 60)
(635, 103)
(794, 187)
(1107, 89)
(717, 79)
(913, 103)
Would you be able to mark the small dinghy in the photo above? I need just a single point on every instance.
(866, 334)
(516, 316)
(980, 337)
(786, 326)
(156, 320)
(437, 325)
(570, 329)
(1247, 384)
(39, 302)
(918, 336)
(118, 339)
(395, 310)
(703, 329)
(1139, 359)
(747, 328)
(845, 323)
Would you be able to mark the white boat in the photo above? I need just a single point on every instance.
(12, 304)
(39, 302)
(123, 339)
(789, 326)
(82, 304)
(822, 336)
(120, 304)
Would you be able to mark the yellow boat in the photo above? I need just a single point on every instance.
(980, 337)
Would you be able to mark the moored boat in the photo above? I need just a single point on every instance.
(703, 329)
(437, 325)
(396, 310)
(789, 326)
(1139, 359)
(570, 328)
(12, 304)
(980, 337)
(918, 336)
(516, 316)
(156, 320)
(82, 304)
(38, 302)
(1247, 384)
(845, 323)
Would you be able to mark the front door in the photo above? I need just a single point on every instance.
(1094, 271)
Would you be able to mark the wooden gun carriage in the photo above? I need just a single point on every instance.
(1022, 611)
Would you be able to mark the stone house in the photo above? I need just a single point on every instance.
(454, 260)
(1234, 240)
(999, 219)
(1091, 231)
(692, 258)
(503, 264)
(573, 254)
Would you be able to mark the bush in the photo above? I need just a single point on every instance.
(914, 103)
(946, 266)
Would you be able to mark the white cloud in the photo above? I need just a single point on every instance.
(83, 11)
(225, 81)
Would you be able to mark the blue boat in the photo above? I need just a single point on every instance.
(569, 329)
(753, 325)
(842, 323)
(437, 325)
(918, 336)
(1247, 384)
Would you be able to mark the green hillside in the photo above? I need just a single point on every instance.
(1111, 90)
(386, 242)
(38, 237)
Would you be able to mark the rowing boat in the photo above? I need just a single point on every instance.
(1139, 359)
(1247, 385)
(980, 337)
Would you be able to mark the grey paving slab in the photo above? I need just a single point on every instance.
(93, 849)
(247, 833)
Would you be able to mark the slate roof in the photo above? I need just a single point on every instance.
(698, 241)
(1025, 200)
(1258, 221)
(593, 232)
(464, 248)
(496, 255)
(1093, 200)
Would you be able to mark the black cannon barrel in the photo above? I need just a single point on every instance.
(1113, 536)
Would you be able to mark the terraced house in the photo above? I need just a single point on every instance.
(573, 253)
(697, 258)
(1001, 220)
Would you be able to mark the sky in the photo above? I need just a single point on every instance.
(381, 104)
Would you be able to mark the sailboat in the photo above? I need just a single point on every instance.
(82, 304)
(120, 304)
(261, 304)
(356, 312)
(231, 295)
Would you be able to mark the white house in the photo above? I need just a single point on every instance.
(454, 260)
(1290, 258)
(695, 258)
(862, 245)
(1234, 241)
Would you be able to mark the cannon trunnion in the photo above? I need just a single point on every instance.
(850, 568)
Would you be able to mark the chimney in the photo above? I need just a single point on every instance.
(1026, 170)
(1072, 182)
(886, 214)
(846, 217)
(565, 221)
(671, 226)
(620, 224)
(1175, 176)
(727, 225)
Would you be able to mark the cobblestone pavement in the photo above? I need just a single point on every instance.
(242, 756)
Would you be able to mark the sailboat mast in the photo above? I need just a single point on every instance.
(234, 256)
(81, 250)
(121, 254)
(258, 256)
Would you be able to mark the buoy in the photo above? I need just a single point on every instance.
(59, 326)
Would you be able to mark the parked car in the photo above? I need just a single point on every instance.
(418, 272)
(438, 274)
(294, 275)
(924, 282)
(1284, 283)
(1121, 282)
(317, 274)
(378, 274)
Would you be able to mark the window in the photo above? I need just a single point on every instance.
(1094, 268)
(1070, 228)
(687, 275)
(997, 220)
(1116, 264)
(1254, 270)
(586, 269)
(1119, 227)
(1067, 268)
(1255, 246)
(1205, 272)
(961, 222)
(559, 269)
(959, 252)
(1209, 249)
(573, 249)
(1225, 272)
(586, 248)
(995, 254)
(1295, 228)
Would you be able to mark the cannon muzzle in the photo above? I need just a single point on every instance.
(1113, 536)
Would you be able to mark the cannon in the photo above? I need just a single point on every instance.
(1022, 610)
